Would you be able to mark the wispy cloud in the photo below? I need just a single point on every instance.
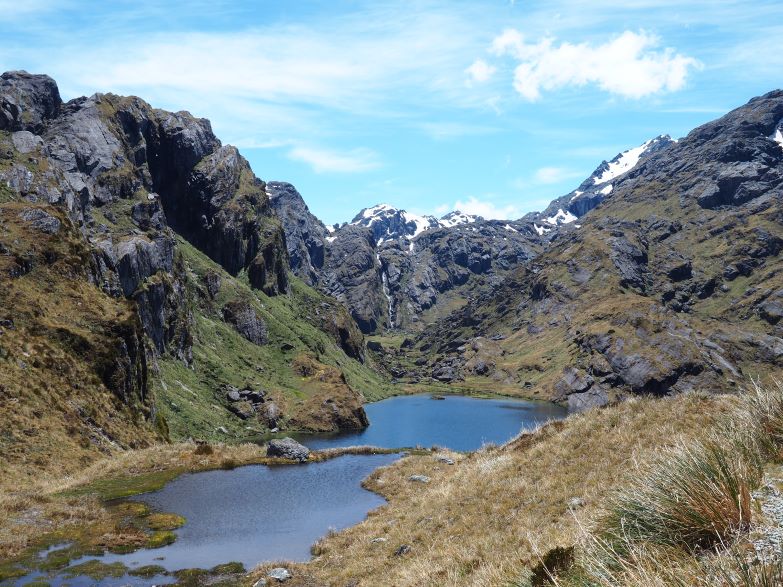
(549, 175)
(450, 130)
(327, 161)
(630, 65)
(485, 206)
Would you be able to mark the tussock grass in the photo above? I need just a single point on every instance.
(683, 519)
(694, 495)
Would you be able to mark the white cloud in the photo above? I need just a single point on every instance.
(547, 175)
(630, 65)
(11, 10)
(479, 72)
(327, 161)
(486, 208)
(450, 130)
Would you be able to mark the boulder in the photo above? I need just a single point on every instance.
(280, 574)
(40, 220)
(287, 448)
(595, 397)
(246, 321)
(419, 478)
(26, 142)
(271, 413)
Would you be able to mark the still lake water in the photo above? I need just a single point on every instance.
(456, 422)
(258, 513)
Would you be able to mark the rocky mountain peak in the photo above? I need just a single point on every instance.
(27, 101)
(458, 217)
(596, 187)
(390, 223)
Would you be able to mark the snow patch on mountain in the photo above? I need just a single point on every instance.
(625, 161)
(456, 217)
(390, 223)
(562, 217)
(607, 190)
(778, 138)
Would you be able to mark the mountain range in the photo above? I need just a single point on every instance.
(154, 288)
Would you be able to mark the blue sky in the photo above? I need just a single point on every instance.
(493, 107)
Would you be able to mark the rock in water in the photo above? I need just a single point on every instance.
(287, 448)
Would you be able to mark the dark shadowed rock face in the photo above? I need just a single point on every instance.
(119, 160)
(305, 234)
(27, 101)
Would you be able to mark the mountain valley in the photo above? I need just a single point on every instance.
(163, 310)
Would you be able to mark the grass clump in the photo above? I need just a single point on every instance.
(165, 521)
(684, 519)
(694, 496)
(161, 538)
(148, 571)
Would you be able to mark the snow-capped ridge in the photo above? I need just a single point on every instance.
(627, 160)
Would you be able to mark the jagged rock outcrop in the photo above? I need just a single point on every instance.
(306, 236)
(27, 101)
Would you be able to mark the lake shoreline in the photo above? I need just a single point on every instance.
(90, 500)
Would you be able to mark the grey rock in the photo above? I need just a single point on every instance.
(771, 310)
(233, 396)
(271, 414)
(26, 142)
(595, 397)
(444, 460)
(288, 448)
(280, 574)
(213, 282)
(402, 550)
(246, 321)
(573, 381)
(27, 101)
(419, 478)
(305, 234)
(242, 409)
(40, 220)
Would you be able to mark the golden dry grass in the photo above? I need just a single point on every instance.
(485, 519)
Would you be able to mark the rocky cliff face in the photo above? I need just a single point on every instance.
(142, 190)
(305, 234)
(395, 270)
(671, 284)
